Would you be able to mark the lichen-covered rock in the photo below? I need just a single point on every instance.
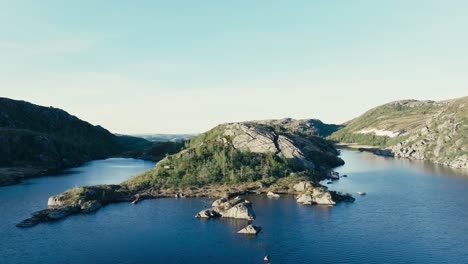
(235, 208)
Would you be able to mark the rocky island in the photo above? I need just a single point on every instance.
(283, 156)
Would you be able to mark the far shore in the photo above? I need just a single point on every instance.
(355, 146)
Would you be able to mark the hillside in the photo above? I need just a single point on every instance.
(35, 140)
(422, 130)
(244, 152)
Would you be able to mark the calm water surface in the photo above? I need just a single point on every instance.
(413, 213)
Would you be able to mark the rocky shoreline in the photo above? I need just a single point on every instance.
(228, 201)
(14, 175)
(415, 153)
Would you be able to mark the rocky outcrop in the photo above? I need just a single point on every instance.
(321, 196)
(259, 140)
(302, 186)
(443, 140)
(237, 208)
(78, 200)
(50, 214)
(250, 230)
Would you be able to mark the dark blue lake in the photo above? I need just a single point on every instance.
(414, 213)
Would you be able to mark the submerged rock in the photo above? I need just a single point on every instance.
(250, 230)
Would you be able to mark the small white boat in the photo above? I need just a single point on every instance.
(362, 193)
(266, 258)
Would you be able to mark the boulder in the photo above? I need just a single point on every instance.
(324, 199)
(272, 194)
(208, 213)
(318, 195)
(304, 199)
(235, 208)
(250, 230)
(240, 211)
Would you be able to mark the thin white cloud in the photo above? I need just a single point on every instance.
(62, 45)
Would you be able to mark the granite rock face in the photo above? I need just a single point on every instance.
(258, 140)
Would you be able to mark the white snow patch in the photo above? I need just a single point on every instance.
(378, 132)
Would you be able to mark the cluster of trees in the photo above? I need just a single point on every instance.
(215, 163)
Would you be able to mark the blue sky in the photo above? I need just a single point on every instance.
(185, 66)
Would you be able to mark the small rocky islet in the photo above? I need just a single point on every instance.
(277, 157)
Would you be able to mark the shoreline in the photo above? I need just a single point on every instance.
(83, 200)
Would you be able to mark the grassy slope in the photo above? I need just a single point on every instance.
(390, 117)
(436, 131)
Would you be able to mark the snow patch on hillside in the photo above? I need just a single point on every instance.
(379, 132)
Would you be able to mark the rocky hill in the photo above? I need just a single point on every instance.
(422, 130)
(240, 152)
(35, 140)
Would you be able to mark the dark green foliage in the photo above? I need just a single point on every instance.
(214, 163)
(155, 151)
(133, 143)
(48, 137)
